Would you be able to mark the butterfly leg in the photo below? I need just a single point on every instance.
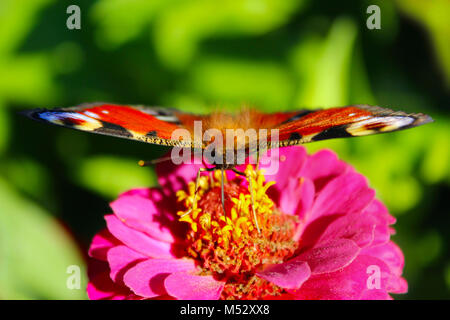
(249, 179)
(194, 202)
(257, 160)
(223, 193)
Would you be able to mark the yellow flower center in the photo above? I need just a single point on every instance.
(229, 245)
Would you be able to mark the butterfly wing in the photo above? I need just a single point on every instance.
(147, 124)
(351, 121)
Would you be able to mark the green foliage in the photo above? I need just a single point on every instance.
(434, 16)
(109, 176)
(198, 56)
(35, 252)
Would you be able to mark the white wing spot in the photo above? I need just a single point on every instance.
(91, 114)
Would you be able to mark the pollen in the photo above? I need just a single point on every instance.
(227, 244)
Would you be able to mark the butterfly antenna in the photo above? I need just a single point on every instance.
(144, 163)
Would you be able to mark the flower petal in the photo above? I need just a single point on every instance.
(137, 240)
(121, 258)
(290, 275)
(345, 194)
(297, 197)
(382, 220)
(141, 214)
(141, 192)
(330, 257)
(304, 202)
(392, 255)
(291, 160)
(358, 227)
(322, 167)
(185, 286)
(100, 286)
(101, 243)
(146, 278)
(306, 199)
(174, 177)
(104, 292)
(375, 295)
(349, 283)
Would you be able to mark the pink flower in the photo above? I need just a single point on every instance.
(323, 236)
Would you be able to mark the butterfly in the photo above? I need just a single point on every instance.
(158, 125)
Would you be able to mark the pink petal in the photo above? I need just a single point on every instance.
(349, 283)
(146, 278)
(382, 219)
(290, 275)
(375, 295)
(100, 286)
(291, 160)
(141, 214)
(137, 240)
(185, 286)
(166, 204)
(304, 203)
(397, 284)
(330, 257)
(141, 192)
(306, 199)
(322, 167)
(101, 243)
(358, 227)
(392, 255)
(103, 293)
(297, 196)
(173, 177)
(345, 194)
(121, 258)
(376, 206)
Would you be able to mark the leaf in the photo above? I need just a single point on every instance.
(328, 83)
(35, 252)
(262, 83)
(110, 175)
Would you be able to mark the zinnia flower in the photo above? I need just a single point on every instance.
(323, 235)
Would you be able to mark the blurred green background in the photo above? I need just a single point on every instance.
(55, 184)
